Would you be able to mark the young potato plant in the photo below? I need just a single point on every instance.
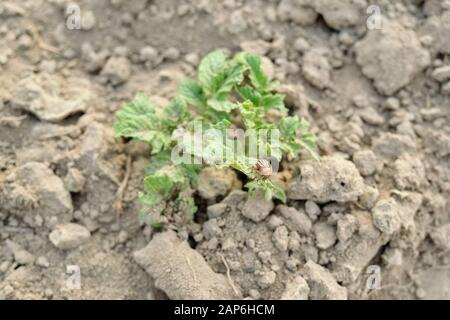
(229, 95)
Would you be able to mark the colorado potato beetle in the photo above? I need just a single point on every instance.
(264, 168)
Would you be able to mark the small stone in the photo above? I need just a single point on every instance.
(316, 69)
(310, 252)
(122, 237)
(211, 229)
(298, 11)
(42, 262)
(393, 257)
(228, 244)
(340, 14)
(295, 219)
(149, 55)
(7, 291)
(330, 179)
(365, 161)
(52, 97)
(267, 279)
(361, 101)
(292, 264)
(23, 257)
(257, 208)
(183, 9)
(346, 38)
(264, 256)
(25, 42)
(437, 27)
(446, 88)
(280, 238)
(250, 243)
(121, 51)
(4, 266)
(392, 103)
(192, 58)
(346, 227)
(378, 54)
(385, 216)
(294, 241)
(274, 222)
(117, 70)
(410, 172)
(322, 284)
(216, 210)
(390, 145)
(88, 20)
(182, 272)
(312, 210)
(369, 198)
(441, 74)
(214, 182)
(235, 198)
(421, 293)
(171, 54)
(441, 236)
(259, 47)
(325, 235)
(74, 180)
(92, 61)
(297, 289)
(199, 238)
(254, 294)
(48, 66)
(69, 236)
(301, 45)
(371, 116)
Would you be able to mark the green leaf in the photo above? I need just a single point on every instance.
(257, 77)
(268, 188)
(213, 147)
(218, 76)
(137, 119)
(308, 141)
(211, 71)
(222, 124)
(192, 93)
(289, 126)
(278, 192)
(159, 142)
(252, 186)
(267, 193)
(192, 171)
(234, 74)
(150, 199)
(175, 112)
(158, 184)
(223, 106)
(273, 101)
(158, 161)
(250, 94)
